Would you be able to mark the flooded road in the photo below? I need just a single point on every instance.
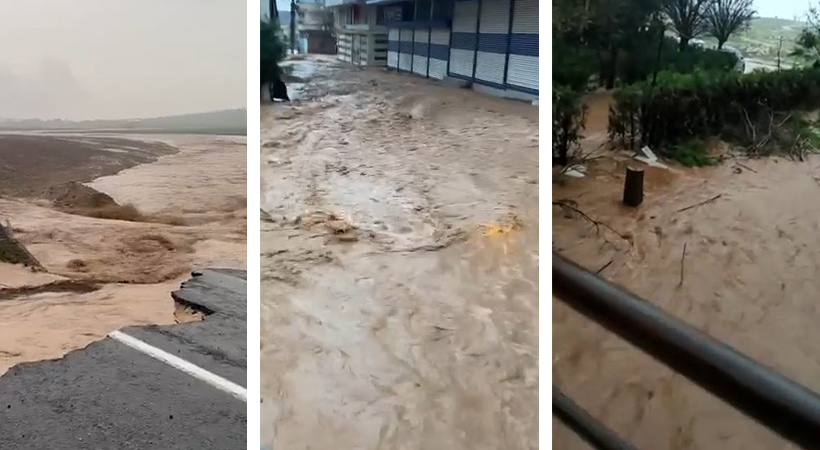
(399, 266)
(102, 274)
(749, 277)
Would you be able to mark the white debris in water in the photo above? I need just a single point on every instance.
(647, 153)
(576, 171)
(648, 157)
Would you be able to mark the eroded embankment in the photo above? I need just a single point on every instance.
(112, 251)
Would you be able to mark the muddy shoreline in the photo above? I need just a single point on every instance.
(31, 163)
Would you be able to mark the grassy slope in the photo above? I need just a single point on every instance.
(762, 38)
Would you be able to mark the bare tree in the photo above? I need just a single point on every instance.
(727, 17)
(807, 44)
(688, 18)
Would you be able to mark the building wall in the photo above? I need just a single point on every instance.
(419, 37)
(313, 18)
(493, 43)
(464, 38)
(522, 68)
(320, 42)
(439, 52)
(393, 47)
(344, 46)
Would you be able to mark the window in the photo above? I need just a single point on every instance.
(423, 8)
(443, 10)
(407, 11)
(389, 14)
(355, 14)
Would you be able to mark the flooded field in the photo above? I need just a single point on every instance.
(749, 277)
(399, 266)
(113, 250)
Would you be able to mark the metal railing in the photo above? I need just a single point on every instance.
(782, 405)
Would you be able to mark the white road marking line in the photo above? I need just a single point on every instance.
(195, 371)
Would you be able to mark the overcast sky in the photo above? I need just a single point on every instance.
(88, 59)
(784, 9)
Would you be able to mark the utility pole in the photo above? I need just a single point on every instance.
(274, 11)
(293, 26)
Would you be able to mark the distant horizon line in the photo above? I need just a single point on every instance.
(56, 119)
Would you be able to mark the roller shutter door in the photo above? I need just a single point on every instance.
(493, 33)
(522, 70)
(406, 49)
(439, 52)
(464, 38)
(393, 48)
(421, 40)
(344, 47)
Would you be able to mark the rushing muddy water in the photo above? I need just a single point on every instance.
(133, 265)
(399, 267)
(749, 277)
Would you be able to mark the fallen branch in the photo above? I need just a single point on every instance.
(799, 146)
(682, 256)
(786, 119)
(265, 216)
(700, 204)
(604, 267)
(588, 156)
(745, 167)
(750, 129)
(598, 224)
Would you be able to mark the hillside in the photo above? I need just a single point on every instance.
(761, 41)
(232, 122)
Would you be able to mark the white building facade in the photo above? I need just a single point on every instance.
(490, 43)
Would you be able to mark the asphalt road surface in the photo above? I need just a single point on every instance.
(111, 396)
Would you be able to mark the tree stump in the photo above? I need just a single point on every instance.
(633, 187)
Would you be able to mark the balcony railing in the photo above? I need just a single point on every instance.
(782, 405)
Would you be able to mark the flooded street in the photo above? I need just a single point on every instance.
(749, 277)
(100, 273)
(399, 266)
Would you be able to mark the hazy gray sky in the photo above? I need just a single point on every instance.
(87, 59)
(784, 9)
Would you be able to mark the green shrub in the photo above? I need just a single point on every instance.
(638, 64)
(734, 106)
(568, 116)
(691, 153)
(576, 63)
(272, 52)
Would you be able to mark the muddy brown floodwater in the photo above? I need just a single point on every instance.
(749, 278)
(104, 274)
(399, 266)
